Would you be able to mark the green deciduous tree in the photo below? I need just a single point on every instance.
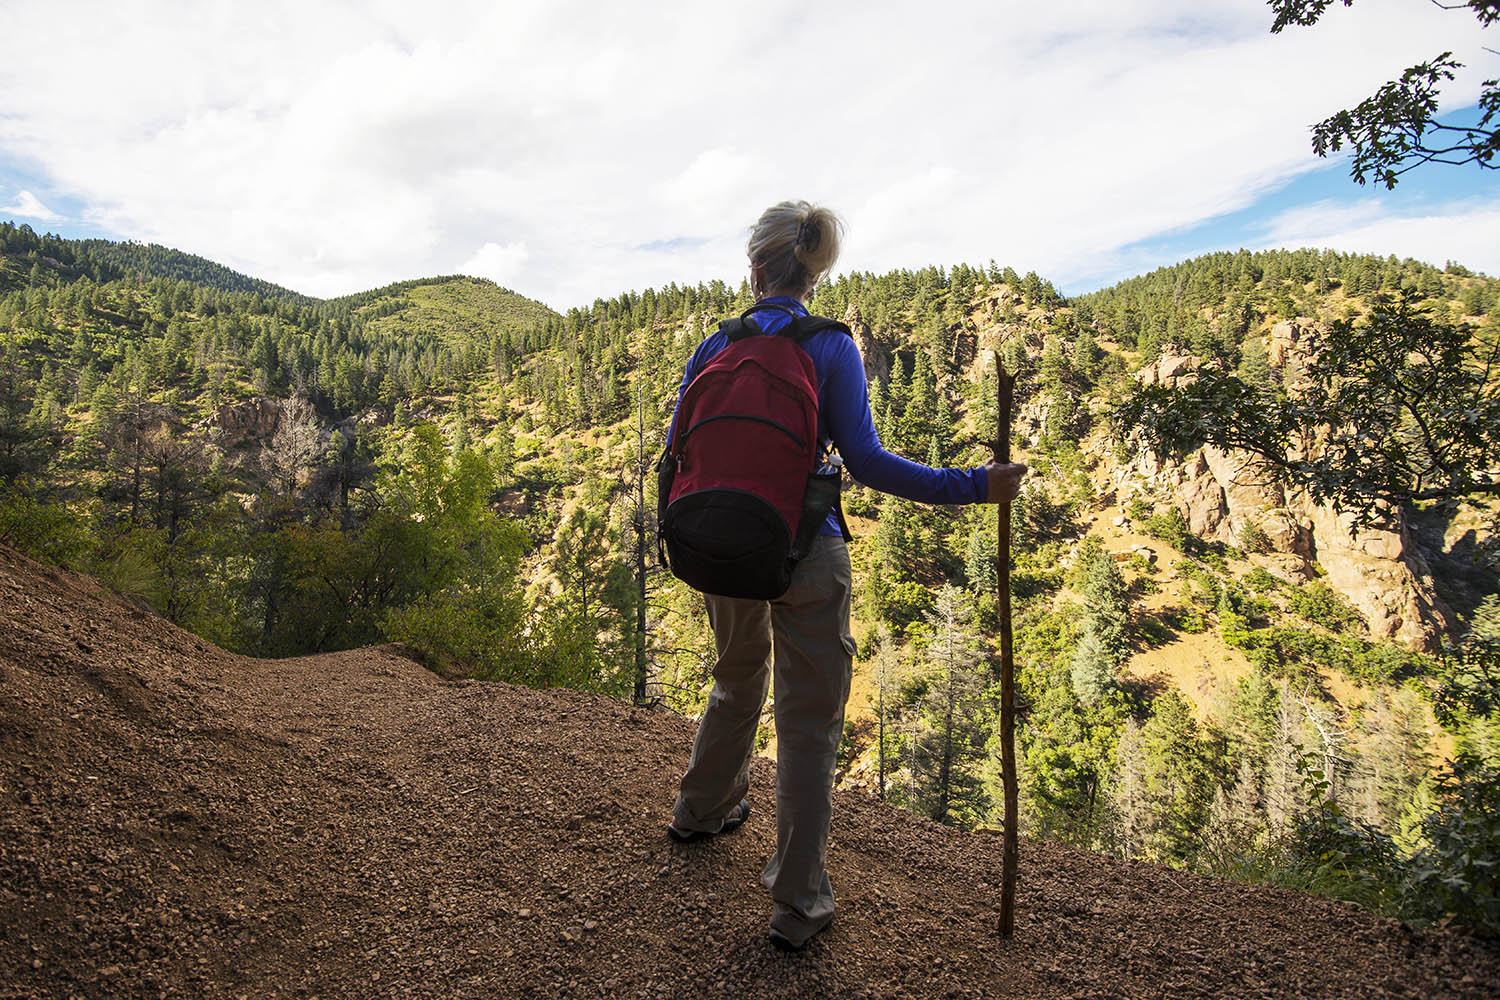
(1396, 128)
(593, 616)
(1398, 407)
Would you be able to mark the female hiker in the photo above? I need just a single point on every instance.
(803, 635)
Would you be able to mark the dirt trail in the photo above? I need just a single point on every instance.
(179, 821)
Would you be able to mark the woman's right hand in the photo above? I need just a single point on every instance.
(1004, 481)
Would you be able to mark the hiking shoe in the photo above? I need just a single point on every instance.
(787, 944)
(784, 943)
(736, 817)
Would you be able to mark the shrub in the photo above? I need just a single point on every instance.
(1316, 602)
(903, 603)
(1260, 581)
(1456, 873)
(1192, 620)
(1386, 663)
(1253, 538)
(475, 631)
(1031, 580)
(1170, 526)
(45, 531)
(1204, 586)
(1346, 858)
(860, 502)
(130, 566)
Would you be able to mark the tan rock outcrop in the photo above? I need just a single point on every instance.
(1381, 573)
(877, 363)
(1283, 342)
(234, 422)
(1383, 576)
(1170, 370)
(1030, 419)
(1287, 532)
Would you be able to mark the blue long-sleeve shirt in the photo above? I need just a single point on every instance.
(844, 418)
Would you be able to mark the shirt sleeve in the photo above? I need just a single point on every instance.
(706, 349)
(845, 406)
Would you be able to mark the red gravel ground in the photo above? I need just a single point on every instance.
(179, 821)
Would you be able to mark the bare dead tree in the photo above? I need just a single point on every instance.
(293, 446)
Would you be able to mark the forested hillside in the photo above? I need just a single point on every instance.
(1225, 664)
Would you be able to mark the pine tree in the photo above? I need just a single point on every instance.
(950, 749)
(594, 607)
(1128, 794)
(1104, 641)
(1176, 780)
(1255, 366)
(1395, 761)
(886, 662)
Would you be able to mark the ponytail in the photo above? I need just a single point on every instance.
(796, 244)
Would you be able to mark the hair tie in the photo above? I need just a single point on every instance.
(808, 235)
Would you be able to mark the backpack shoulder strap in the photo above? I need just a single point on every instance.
(739, 328)
(757, 307)
(799, 329)
(803, 327)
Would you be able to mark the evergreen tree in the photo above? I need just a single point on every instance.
(949, 751)
(1175, 780)
(1104, 642)
(593, 618)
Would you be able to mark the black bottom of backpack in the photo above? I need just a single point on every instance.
(728, 543)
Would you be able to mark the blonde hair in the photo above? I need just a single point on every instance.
(795, 244)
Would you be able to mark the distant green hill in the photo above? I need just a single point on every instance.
(22, 250)
(166, 321)
(455, 309)
(156, 261)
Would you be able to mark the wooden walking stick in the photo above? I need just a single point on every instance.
(1005, 398)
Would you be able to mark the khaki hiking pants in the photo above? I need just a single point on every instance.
(808, 630)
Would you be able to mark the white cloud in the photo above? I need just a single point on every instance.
(498, 263)
(715, 179)
(1460, 231)
(28, 206)
(339, 146)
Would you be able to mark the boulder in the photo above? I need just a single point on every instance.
(1287, 566)
(1170, 370)
(1288, 533)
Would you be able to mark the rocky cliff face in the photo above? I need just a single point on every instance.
(877, 362)
(1383, 574)
(234, 422)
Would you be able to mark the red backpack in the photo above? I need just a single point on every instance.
(740, 498)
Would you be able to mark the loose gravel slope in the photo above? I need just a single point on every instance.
(179, 821)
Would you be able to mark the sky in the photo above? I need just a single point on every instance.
(575, 150)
